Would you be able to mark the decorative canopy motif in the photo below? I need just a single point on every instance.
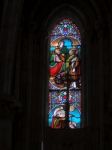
(66, 29)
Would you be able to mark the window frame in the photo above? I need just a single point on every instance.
(66, 37)
(49, 133)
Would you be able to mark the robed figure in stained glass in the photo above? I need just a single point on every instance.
(57, 66)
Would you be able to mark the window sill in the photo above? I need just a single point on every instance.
(67, 134)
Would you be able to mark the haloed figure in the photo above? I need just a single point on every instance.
(57, 67)
(58, 118)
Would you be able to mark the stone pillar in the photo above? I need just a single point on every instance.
(10, 22)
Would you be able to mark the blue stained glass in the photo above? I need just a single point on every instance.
(57, 97)
(64, 29)
(68, 43)
(64, 76)
(56, 116)
(74, 96)
(52, 48)
(74, 117)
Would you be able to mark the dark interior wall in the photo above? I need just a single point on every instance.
(24, 28)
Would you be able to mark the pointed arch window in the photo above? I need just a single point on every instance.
(65, 91)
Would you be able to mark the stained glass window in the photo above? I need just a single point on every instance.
(64, 98)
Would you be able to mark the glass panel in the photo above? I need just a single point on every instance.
(64, 75)
(74, 109)
(66, 28)
(57, 100)
(57, 97)
(56, 117)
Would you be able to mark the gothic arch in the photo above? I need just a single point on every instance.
(38, 26)
(87, 20)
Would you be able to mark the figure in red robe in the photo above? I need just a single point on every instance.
(56, 62)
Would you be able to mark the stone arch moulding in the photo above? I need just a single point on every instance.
(82, 20)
